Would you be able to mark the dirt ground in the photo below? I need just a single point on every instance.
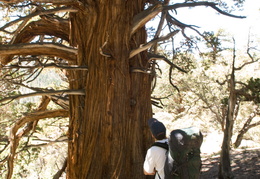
(245, 164)
(245, 160)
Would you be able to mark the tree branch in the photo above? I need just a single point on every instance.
(202, 3)
(41, 1)
(160, 57)
(46, 142)
(57, 1)
(144, 47)
(68, 92)
(248, 63)
(50, 65)
(54, 27)
(59, 173)
(143, 17)
(37, 13)
(62, 51)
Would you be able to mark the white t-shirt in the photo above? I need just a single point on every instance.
(155, 159)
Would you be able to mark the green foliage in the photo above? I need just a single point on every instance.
(213, 47)
(253, 89)
(224, 101)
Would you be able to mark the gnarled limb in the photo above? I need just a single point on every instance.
(47, 49)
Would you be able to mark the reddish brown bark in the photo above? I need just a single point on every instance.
(108, 134)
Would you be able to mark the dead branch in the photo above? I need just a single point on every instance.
(143, 17)
(159, 30)
(253, 60)
(62, 101)
(57, 1)
(202, 3)
(247, 125)
(37, 13)
(47, 142)
(59, 173)
(54, 27)
(50, 65)
(48, 49)
(144, 47)
(170, 80)
(51, 92)
(161, 57)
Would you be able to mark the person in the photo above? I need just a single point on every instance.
(156, 156)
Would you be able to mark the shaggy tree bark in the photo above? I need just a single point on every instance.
(108, 134)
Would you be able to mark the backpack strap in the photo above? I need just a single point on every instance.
(162, 145)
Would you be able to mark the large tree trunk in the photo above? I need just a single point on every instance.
(108, 133)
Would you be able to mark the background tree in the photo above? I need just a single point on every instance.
(237, 91)
(109, 102)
